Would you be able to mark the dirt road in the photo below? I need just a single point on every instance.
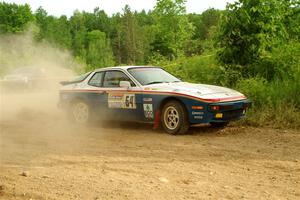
(44, 157)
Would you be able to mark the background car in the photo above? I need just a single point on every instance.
(24, 77)
(149, 94)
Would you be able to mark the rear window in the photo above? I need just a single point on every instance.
(81, 77)
(96, 80)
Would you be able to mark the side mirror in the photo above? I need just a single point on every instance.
(125, 84)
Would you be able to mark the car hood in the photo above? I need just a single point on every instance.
(202, 91)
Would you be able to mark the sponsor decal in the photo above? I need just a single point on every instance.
(119, 100)
(148, 110)
(147, 99)
(197, 113)
(198, 117)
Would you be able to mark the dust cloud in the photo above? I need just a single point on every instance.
(19, 52)
(28, 110)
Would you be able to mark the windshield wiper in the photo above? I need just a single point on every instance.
(155, 82)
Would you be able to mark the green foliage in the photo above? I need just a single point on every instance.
(281, 63)
(97, 21)
(204, 22)
(41, 21)
(99, 50)
(292, 20)
(197, 69)
(134, 36)
(131, 38)
(251, 27)
(205, 32)
(172, 27)
(79, 34)
(275, 103)
(56, 30)
(116, 37)
(274, 88)
(59, 31)
(13, 17)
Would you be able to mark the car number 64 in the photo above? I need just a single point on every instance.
(129, 101)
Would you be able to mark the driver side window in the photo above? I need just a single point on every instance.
(113, 78)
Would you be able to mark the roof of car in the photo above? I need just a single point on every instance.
(121, 67)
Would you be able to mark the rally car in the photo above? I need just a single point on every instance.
(149, 94)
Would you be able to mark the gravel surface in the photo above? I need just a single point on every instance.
(42, 156)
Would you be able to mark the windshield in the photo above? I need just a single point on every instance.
(152, 75)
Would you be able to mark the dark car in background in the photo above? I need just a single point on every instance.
(24, 78)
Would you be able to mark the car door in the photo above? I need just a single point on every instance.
(97, 96)
(122, 103)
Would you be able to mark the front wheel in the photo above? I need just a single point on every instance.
(174, 118)
(80, 112)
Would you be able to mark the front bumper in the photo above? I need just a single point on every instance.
(225, 112)
(229, 111)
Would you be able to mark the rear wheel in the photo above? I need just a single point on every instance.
(219, 124)
(80, 112)
(174, 118)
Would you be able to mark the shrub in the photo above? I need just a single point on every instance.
(199, 69)
(275, 103)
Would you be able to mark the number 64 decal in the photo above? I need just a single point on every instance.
(129, 101)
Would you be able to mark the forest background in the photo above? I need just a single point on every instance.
(252, 46)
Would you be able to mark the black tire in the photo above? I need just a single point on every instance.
(219, 124)
(174, 118)
(80, 112)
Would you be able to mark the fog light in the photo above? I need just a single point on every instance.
(219, 115)
(215, 107)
